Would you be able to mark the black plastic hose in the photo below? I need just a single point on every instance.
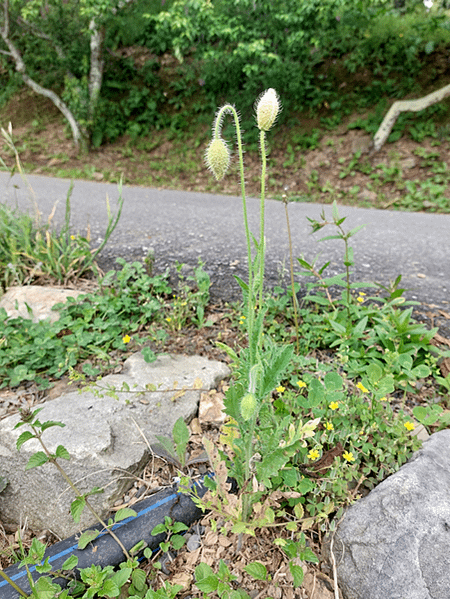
(104, 550)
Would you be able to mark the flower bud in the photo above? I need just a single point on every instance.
(217, 157)
(248, 406)
(267, 109)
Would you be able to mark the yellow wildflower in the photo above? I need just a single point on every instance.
(348, 456)
(410, 426)
(334, 405)
(329, 426)
(301, 384)
(313, 454)
(126, 339)
(280, 389)
(362, 388)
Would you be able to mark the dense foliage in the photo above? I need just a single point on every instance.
(164, 61)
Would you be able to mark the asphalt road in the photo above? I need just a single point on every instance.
(185, 226)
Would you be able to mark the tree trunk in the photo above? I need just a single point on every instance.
(406, 106)
(96, 68)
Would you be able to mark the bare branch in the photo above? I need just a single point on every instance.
(21, 68)
(406, 106)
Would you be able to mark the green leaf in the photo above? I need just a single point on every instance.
(257, 570)
(121, 576)
(203, 571)
(109, 589)
(181, 436)
(76, 508)
(45, 589)
(179, 527)
(333, 381)
(421, 371)
(87, 537)
(177, 541)
(208, 584)
(297, 574)
(158, 529)
(24, 437)
(138, 578)
(61, 452)
(50, 423)
(427, 415)
(124, 513)
(37, 459)
(276, 368)
(148, 355)
(70, 563)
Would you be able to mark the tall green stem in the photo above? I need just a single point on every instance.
(262, 242)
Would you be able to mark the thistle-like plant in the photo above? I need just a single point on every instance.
(261, 366)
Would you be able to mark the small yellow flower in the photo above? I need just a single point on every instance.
(334, 405)
(72, 237)
(126, 339)
(362, 388)
(280, 389)
(301, 384)
(383, 399)
(348, 456)
(169, 319)
(360, 299)
(410, 426)
(313, 454)
(329, 426)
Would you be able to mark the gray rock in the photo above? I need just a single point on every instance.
(102, 436)
(35, 302)
(395, 543)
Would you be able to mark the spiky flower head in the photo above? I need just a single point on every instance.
(217, 157)
(267, 108)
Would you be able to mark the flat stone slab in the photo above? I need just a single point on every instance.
(35, 302)
(103, 438)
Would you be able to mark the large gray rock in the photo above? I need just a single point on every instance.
(395, 543)
(102, 437)
(35, 302)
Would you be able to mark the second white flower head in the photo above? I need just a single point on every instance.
(267, 109)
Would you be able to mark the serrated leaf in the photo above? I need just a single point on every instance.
(24, 437)
(50, 423)
(138, 578)
(45, 589)
(61, 452)
(121, 576)
(87, 537)
(181, 436)
(110, 589)
(208, 584)
(297, 574)
(76, 508)
(257, 570)
(37, 459)
(177, 541)
(124, 513)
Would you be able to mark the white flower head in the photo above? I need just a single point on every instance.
(267, 108)
(217, 157)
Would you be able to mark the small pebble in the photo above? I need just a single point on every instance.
(193, 543)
